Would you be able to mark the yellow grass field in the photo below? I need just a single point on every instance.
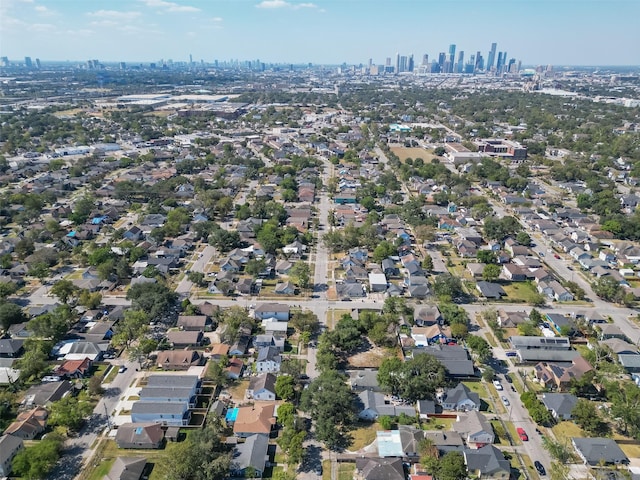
(403, 153)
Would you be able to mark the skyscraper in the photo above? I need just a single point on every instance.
(442, 58)
(492, 56)
(452, 56)
(460, 66)
(397, 63)
(425, 59)
(27, 62)
(410, 64)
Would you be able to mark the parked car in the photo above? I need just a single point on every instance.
(539, 468)
(556, 256)
(505, 400)
(122, 369)
(497, 384)
(522, 434)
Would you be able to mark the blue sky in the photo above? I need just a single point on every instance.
(568, 32)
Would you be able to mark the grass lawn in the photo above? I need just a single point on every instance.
(346, 471)
(521, 292)
(363, 436)
(405, 152)
(326, 470)
(566, 430)
(498, 430)
(532, 473)
(100, 370)
(438, 424)
(111, 375)
(631, 450)
(108, 451)
(477, 387)
(102, 469)
(515, 438)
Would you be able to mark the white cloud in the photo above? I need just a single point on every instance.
(216, 19)
(169, 6)
(274, 4)
(115, 15)
(42, 10)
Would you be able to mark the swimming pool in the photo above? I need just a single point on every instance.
(231, 415)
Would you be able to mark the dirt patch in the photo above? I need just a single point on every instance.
(371, 358)
(403, 153)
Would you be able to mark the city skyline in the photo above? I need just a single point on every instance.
(560, 32)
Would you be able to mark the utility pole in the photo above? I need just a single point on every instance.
(107, 414)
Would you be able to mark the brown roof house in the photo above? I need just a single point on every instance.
(178, 359)
(258, 418)
(140, 435)
(29, 424)
(74, 368)
(558, 375)
(181, 339)
(193, 323)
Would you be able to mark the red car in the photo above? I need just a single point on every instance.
(522, 434)
(556, 256)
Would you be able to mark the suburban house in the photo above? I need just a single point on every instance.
(234, 368)
(596, 451)
(425, 316)
(74, 368)
(460, 399)
(272, 310)
(254, 419)
(46, 393)
(490, 290)
(487, 462)
(9, 448)
(558, 375)
(29, 424)
(182, 339)
(373, 468)
(165, 413)
(560, 404)
(168, 395)
(178, 359)
(251, 454)
(475, 429)
(269, 360)
(140, 435)
(508, 319)
(127, 468)
(454, 358)
(262, 387)
(372, 405)
(193, 323)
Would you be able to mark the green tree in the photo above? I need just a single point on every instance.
(300, 273)
(418, 377)
(63, 289)
(386, 422)
(285, 387)
(305, 321)
(557, 449)
(69, 412)
(487, 256)
(153, 298)
(523, 238)
(255, 266)
(132, 327)
(451, 467)
(427, 263)
(586, 415)
(491, 272)
(608, 289)
(447, 287)
(329, 401)
(383, 250)
(488, 374)
(40, 270)
(36, 461)
(480, 348)
(10, 314)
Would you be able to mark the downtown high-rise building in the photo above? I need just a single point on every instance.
(492, 56)
(452, 57)
(460, 65)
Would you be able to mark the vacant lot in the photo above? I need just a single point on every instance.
(372, 358)
(403, 153)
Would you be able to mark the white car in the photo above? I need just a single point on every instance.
(497, 384)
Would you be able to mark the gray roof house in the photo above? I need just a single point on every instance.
(140, 435)
(363, 380)
(373, 404)
(475, 429)
(262, 387)
(490, 290)
(487, 462)
(380, 468)
(594, 450)
(269, 360)
(165, 413)
(9, 448)
(252, 453)
(126, 468)
(460, 399)
(559, 404)
(454, 358)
